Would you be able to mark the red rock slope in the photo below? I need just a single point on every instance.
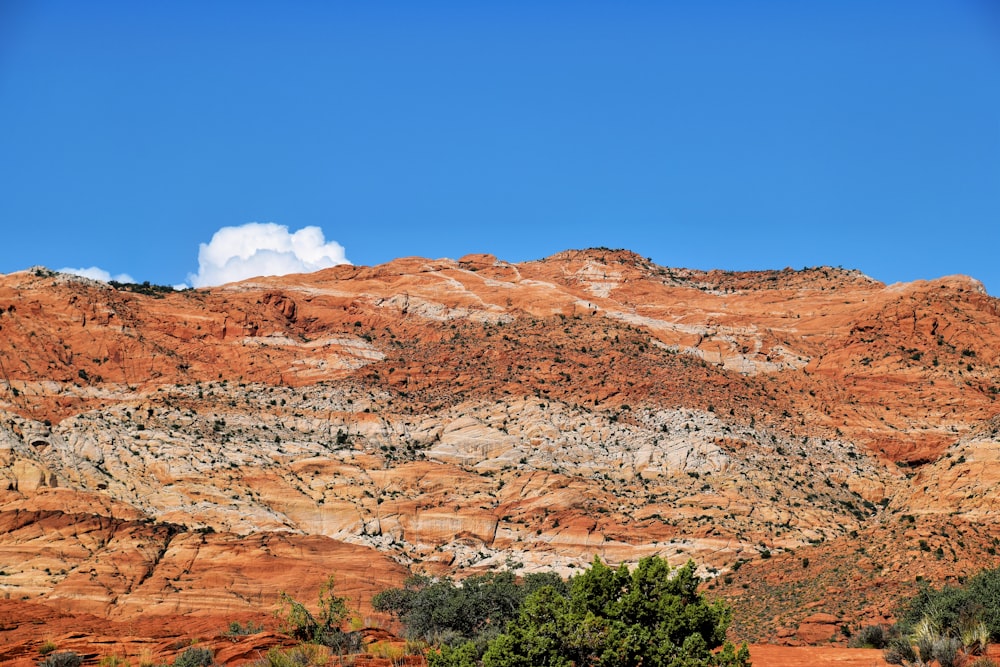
(170, 454)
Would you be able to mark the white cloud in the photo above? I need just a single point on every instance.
(97, 273)
(263, 249)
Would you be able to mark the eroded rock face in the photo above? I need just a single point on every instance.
(962, 482)
(204, 450)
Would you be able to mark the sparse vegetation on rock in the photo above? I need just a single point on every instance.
(194, 454)
(951, 626)
(62, 659)
(195, 656)
(970, 610)
(871, 636)
(322, 627)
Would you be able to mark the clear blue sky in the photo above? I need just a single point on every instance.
(737, 135)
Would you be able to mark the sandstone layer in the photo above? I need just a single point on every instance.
(186, 454)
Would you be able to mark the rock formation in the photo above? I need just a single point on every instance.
(191, 454)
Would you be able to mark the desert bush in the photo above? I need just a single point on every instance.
(300, 623)
(415, 647)
(950, 625)
(930, 643)
(113, 661)
(385, 650)
(955, 607)
(463, 655)
(899, 651)
(237, 629)
(926, 633)
(339, 641)
(303, 655)
(48, 646)
(196, 656)
(146, 659)
(870, 636)
(62, 659)
(296, 619)
(652, 616)
(982, 662)
(975, 637)
(143, 288)
(442, 611)
(947, 651)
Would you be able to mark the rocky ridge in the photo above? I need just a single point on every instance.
(196, 452)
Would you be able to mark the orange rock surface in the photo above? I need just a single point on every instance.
(189, 455)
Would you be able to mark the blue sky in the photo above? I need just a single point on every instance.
(735, 135)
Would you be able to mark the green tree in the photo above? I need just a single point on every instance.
(464, 655)
(652, 616)
(332, 608)
(477, 609)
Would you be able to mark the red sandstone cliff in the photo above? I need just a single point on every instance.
(197, 453)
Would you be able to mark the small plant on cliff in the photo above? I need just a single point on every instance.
(64, 659)
(324, 627)
(113, 661)
(870, 636)
(144, 287)
(303, 655)
(196, 656)
(237, 629)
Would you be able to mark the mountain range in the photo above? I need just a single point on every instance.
(818, 442)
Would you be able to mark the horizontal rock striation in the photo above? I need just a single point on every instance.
(194, 453)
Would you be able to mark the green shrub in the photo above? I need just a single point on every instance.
(299, 622)
(324, 628)
(302, 655)
(947, 651)
(930, 643)
(925, 634)
(954, 607)
(870, 636)
(975, 636)
(196, 656)
(442, 611)
(113, 661)
(341, 642)
(464, 655)
(63, 659)
(899, 652)
(982, 662)
(144, 287)
(617, 618)
(237, 629)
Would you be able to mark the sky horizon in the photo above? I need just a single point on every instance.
(190, 143)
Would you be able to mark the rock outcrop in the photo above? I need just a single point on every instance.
(194, 453)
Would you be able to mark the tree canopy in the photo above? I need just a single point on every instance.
(441, 611)
(652, 616)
